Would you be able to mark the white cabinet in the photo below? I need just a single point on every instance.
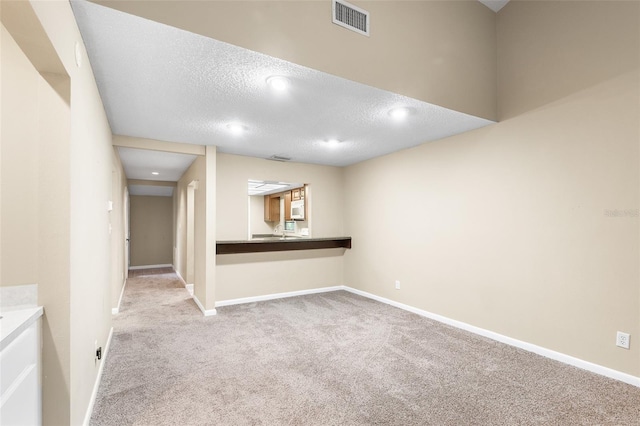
(20, 368)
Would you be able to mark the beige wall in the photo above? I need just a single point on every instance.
(156, 145)
(256, 211)
(207, 253)
(118, 223)
(442, 52)
(326, 193)
(20, 143)
(54, 227)
(258, 274)
(34, 216)
(73, 178)
(598, 43)
(90, 190)
(201, 175)
(195, 173)
(507, 228)
(151, 227)
(253, 275)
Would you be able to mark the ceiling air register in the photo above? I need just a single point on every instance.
(350, 17)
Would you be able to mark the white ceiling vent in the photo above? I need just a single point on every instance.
(279, 158)
(350, 17)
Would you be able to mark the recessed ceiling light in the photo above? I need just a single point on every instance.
(155, 173)
(236, 128)
(278, 83)
(332, 142)
(399, 113)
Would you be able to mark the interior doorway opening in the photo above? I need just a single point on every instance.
(190, 278)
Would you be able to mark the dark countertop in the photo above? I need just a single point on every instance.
(266, 245)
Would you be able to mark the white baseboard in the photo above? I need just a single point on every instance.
(206, 313)
(277, 296)
(163, 265)
(529, 347)
(189, 287)
(178, 274)
(117, 308)
(96, 385)
(548, 353)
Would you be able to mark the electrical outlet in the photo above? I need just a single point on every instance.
(397, 285)
(99, 353)
(622, 339)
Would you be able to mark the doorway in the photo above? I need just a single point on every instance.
(127, 232)
(191, 204)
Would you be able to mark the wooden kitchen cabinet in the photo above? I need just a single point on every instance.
(287, 205)
(272, 204)
(297, 194)
(272, 208)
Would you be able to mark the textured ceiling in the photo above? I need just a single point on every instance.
(160, 82)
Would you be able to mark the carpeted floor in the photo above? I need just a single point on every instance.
(330, 359)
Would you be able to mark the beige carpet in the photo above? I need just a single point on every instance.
(330, 359)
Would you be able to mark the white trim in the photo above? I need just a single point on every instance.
(548, 353)
(117, 308)
(189, 287)
(163, 265)
(178, 274)
(206, 313)
(96, 385)
(277, 296)
(529, 347)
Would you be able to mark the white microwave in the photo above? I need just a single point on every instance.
(297, 210)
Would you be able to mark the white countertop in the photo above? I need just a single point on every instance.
(15, 322)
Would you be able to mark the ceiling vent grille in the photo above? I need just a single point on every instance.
(350, 17)
(279, 158)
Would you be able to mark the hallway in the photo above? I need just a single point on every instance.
(134, 273)
(147, 359)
